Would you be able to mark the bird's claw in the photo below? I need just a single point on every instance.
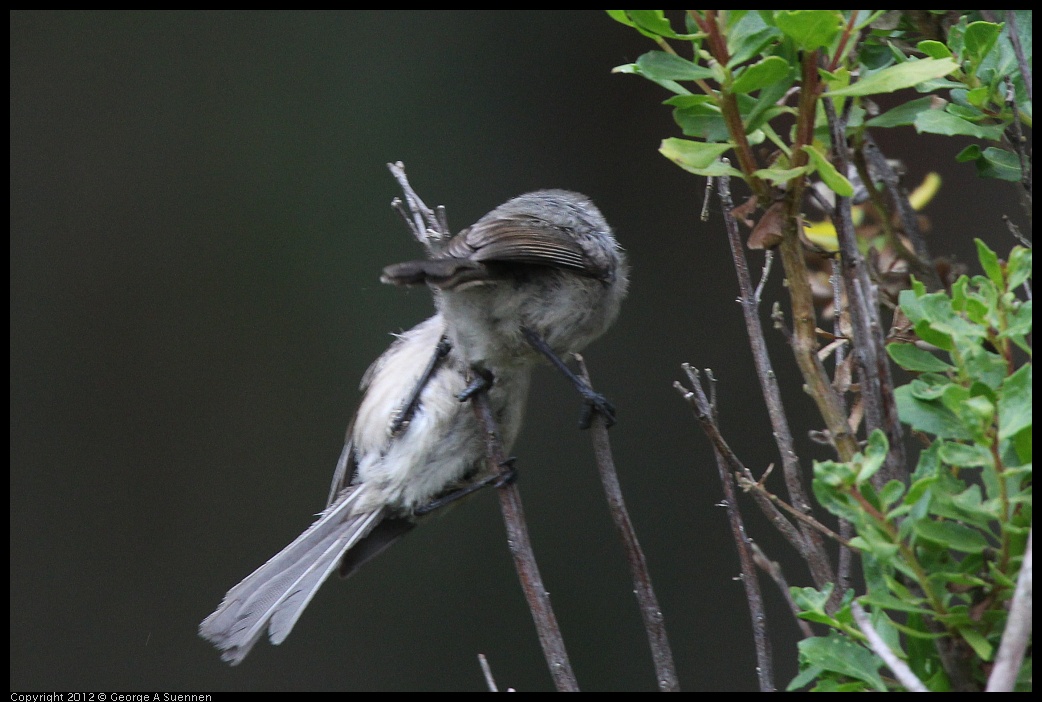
(596, 402)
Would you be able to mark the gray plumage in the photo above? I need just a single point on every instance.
(546, 261)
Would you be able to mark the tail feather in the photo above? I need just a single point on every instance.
(274, 596)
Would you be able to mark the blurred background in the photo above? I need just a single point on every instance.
(199, 215)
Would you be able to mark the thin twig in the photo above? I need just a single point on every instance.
(873, 367)
(1015, 231)
(1023, 63)
(1017, 636)
(768, 259)
(486, 669)
(764, 663)
(879, 166)
(845, 567)
(774, 570)
(921, 268)
(814, 552)
(712, 431)
(524, 558)
(1016, 135)
(428, 228)
(755, 487)
(835, 279)
(650, 611)
(900, 669)
(704, 214)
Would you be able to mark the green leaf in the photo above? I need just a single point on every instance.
(938, 313)
(837, 653)
(966, 112)
(884, 600)
(670, 85)
(1015, 403)
(976, 640)
(978, 40)
(893, 491)
(930, 386)
(621, 17)
(699, 116)
(697, 157)
(976, 512)
(763, 73)
(748, 39)
(1024, 26)
(979, 97)
(1019, 267)
(911, 357)
(807, 675)
(765, 107)
(947, 124)
(975, 412)
(810, 29)
(999, 164)
(828, 173)
(658, 65)
(652, 22)
(989, 261)
(983, 365)
(929, 416)
(1019, 326)
(811, 599)
(934, 49)
(899, 77)
(902, 115)
(781, 175)
(970, 153)
(965, 455)
(874, 456)
(951, 535)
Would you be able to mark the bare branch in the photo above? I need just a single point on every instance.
(712, 431)
(650, 611)
(704, 214)
(774, 570)
(768, 259)
(1023, 63)
(429, 228)
(1017, 636)
(879, 166)
(1015, 231)
(764, 663)
(817, 558)
(1016, 136)
(486, 670)
(900, 669)
(873, 366)
(755, 487)
(524, 558)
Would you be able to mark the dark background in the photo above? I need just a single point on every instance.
(199, 213)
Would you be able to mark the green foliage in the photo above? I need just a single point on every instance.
(730, 72)
(758, 95)
(942, 555)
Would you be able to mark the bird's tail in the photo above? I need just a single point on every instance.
(274, 596)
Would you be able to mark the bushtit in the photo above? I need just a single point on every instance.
(540, 275)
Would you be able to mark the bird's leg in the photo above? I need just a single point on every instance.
(592, 401)
(404, 415)
(483, 380)
(504, 477)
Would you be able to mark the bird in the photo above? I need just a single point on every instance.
(541, 276)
